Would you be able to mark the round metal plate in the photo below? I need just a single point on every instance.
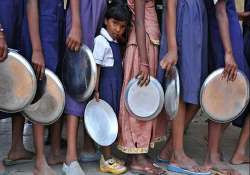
(79, 73)
(224, 100)
(17, 83)
(101, 122)
(172, 93)
(49, 108)
(144, 103)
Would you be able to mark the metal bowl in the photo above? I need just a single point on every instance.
(101, 122)
(224, 100)
(79, 73)
(49, 107)
(17, 83)
(172, 93)
(144, 103)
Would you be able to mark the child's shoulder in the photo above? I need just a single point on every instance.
(100, 40)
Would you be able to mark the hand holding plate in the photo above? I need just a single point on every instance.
(230, 70)
(169, 60)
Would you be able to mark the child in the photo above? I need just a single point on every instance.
(42, 43)
(82, 22)
(109, 72)
(11, 17)
(136, 137)
(240, 156)
(226, 51)
(184, 44)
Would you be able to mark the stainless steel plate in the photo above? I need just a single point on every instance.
(17, 83)
(172, 93)
(224, 100)
(101, 122)
(49, 108)
(79, 73)
(144, 103)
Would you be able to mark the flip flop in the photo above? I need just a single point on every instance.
(160, 160)
(177, 169)
(89, 157)
(9, 162)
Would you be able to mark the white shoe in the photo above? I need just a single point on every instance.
(73, 169)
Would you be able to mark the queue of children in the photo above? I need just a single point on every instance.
(197, 36)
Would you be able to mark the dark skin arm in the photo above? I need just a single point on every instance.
(97, 82)
(244, 16)
(37, 52)
(3, 46)
(170, 59)
(74, 38)
(230, 70)
(141, 41)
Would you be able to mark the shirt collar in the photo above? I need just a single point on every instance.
(105, 34)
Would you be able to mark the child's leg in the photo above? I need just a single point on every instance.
(55, 156)
(240, 155)
(2, 168)
(213, 158)
(18, 151)
(72, 128)
(41, 166)
(107, 152)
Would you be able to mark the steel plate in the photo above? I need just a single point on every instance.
(144, 103)
(17, 83)
(101, 122)
(172, 93)
(79, 73)
(224, 100)
(49, 107)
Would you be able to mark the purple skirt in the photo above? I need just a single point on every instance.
(89, 9)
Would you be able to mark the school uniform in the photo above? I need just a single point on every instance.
(216, 57)
(191, 36)
(11, 17)
(51, 26)
(107, 54)
(92, 14)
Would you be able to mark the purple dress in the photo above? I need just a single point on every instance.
(11, 17)
(191, 35)
(92, 16)
(217, 51)
(110, 85)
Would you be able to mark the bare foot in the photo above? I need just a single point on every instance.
(142, 164)
(220, 167)
(183, 161)
(42, 168)
(54, 159)
(20, 154)
(240, 159)
(166, 152)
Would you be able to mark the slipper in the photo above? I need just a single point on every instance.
(89, 157)
(160, 160)
(9, 162)
(177, 169)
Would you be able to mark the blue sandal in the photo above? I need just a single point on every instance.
(177, 169)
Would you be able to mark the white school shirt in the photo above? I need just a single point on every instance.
(102, 50)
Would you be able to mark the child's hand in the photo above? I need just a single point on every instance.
(169, 60)
(73, 41)
(230, 70)
(241, 15)
(38, 64)
(97, 98)
(3, 47)
(143, 76)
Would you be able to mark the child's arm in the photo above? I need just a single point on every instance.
(171, 57)
(74, 38)
(141, 41)
(230, 70)
(37, 52)
(3, 45)
(244, 16)
(97, 82)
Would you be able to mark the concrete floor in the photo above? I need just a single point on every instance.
(195, 146)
